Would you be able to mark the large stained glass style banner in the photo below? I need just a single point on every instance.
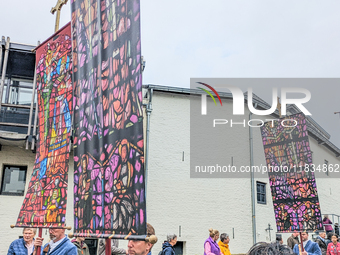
(292, 182)
(45, 201)
(109, 189)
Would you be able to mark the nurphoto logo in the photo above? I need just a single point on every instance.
(238, 100)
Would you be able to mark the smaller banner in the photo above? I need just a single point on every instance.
(45, 201)
(292, 182)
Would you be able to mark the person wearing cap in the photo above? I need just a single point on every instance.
(140, 247)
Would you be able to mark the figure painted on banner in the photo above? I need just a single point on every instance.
(125, 169)
(168, 245)
(210, 245)
(321, 241)
(286, 220)
(333, 248)
(292, 240)
(82, 247)
(114, 247)
(310, 247)
(59, 244)
(54, 200)
(136, 247)
(327, 224)
(224, 244)
(84, 192)
(35, 197)
(25, 245)
(308, 216)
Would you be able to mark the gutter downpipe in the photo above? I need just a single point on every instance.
(32, 105)
(253, 218)
(148, 113)
(4, 68)
(1, 43)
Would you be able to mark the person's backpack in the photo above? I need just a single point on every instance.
(161, 252)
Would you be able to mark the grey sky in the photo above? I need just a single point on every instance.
(217, 38)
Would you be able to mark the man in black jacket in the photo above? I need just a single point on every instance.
(320, 240)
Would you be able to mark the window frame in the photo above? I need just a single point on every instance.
(21, 168)
(326, 162)
(264, 185)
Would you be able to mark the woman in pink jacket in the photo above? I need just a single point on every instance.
(210, 245)
(333, 248)
(328, 224)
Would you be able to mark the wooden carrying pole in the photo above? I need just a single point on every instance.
(39, 247)
(301, 243)
(108, 246)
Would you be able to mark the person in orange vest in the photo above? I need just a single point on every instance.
(224, 244)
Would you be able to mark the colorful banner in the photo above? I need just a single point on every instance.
(292, 182)
(45, 201)
(109, 190)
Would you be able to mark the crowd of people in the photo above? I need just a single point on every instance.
(60, 244)
(323, 245)
(326, 243)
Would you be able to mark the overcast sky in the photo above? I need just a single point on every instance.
(216, 38)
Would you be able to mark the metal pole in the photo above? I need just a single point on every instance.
(253, 216)
(35, 124)
(3, 39)
(4, 70)
(8, 90)
(148, 112)
(32, 104)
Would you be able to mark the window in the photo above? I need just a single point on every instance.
(326, 166)
(13, 180)
(261, 193)
(178, 248)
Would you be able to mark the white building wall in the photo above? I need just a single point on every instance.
(264, 213)
(175, 200)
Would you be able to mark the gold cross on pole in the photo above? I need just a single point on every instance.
(57, 9)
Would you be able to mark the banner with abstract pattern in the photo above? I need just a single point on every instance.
(45, 201)
(109, 189)
(292, 181)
